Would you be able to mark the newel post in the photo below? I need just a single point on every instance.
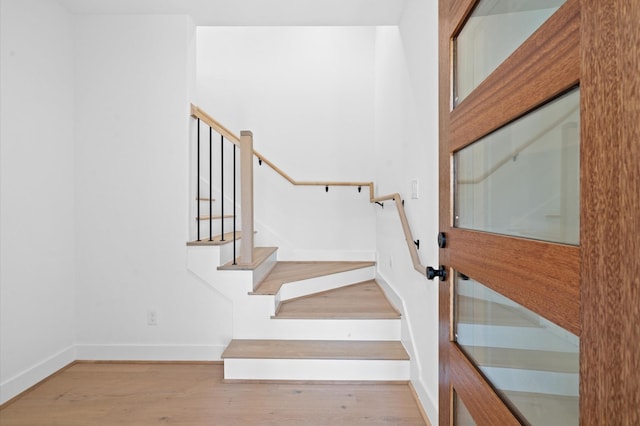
(246, 196)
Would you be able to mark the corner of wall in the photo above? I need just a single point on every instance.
(429, 403)
(28, 378)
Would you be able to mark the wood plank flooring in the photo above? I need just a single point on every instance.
(364, 300)
(195, 394)
(316, 349)
(286, 272)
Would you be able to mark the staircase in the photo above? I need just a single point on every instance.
(291, 320)
(303, 321)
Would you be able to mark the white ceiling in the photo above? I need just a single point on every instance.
(254, 12)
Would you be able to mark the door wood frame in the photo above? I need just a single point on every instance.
(600, 300)
(610, 212)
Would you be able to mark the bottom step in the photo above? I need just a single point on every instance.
(316, 360)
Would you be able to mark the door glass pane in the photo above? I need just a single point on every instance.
(461, 415)
(531, 362)
(524, 179)
(494, 31)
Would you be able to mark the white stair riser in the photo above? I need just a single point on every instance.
(311, 329)
(203, 262)
(227, 254)
(328, 282)
(210, 256)
(315, 369)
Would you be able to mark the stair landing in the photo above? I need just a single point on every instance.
(288, 272)
(364, 300)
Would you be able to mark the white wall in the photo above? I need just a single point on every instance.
(307, 95)
(134, 84)
(323, 103)
(406, 147)
(37, 285)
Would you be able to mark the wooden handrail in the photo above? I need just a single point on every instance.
(214, 124)
(196, 112)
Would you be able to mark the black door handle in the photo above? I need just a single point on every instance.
(441, 273)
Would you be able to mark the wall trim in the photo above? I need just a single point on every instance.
(31, 377)
(425, 402)
(423, 397)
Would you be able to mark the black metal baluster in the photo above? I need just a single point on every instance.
(210, 185)
(234, 204)
(198, 185)
(222, 188)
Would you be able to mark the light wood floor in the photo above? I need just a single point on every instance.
(194, 394)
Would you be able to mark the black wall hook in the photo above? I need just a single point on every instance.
(326, 188)
(359, 189)
(380, 204)
(417, 243)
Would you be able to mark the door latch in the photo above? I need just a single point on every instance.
(442, 240)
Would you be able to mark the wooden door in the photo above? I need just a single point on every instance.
(587, 285)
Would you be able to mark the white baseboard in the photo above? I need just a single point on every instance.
(429, 405)
(33, 375)
(87, 352)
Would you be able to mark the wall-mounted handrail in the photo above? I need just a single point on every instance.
(197, 112)
(247, 221)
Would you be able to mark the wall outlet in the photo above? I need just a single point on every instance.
(414, 189)
(152, 317)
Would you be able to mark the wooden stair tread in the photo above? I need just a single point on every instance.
(287, 272)
(217, 240)
(316, 349)
(214, 217)
(525, 359)
(260, 254)
(364, 300)
(205, 199)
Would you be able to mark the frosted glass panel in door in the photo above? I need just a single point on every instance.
(530, 361)
(524, 179)
(494, 30)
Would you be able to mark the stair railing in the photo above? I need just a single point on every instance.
(245, 142)
(245, 145)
